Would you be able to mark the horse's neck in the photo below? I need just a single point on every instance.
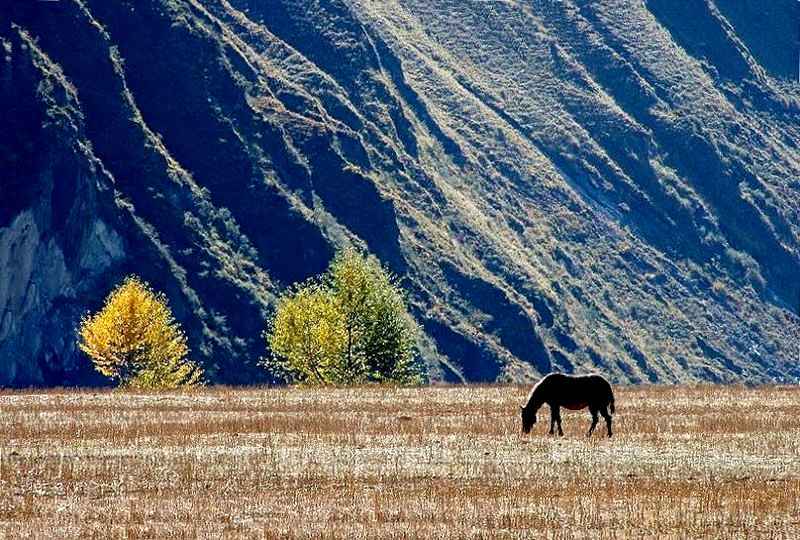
(535, 399)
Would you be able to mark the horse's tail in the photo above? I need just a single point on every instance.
(612, 403)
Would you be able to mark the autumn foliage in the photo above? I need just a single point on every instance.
(135, 341)
(351, 325)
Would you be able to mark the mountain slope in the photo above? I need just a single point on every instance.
(563, 185)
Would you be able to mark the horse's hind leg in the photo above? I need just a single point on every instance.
(607, 417)
(594, 422)
(555, 418)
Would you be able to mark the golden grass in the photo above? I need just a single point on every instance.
(443, 462)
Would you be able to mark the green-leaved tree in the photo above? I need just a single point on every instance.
(350, 325)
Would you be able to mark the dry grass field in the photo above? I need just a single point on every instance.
(441, 462)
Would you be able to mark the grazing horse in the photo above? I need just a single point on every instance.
(571, 392)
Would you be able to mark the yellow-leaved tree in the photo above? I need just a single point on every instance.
(135, 340)
(309, 337)
(350, 325)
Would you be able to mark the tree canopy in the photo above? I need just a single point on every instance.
(135, 341)
(349, 325)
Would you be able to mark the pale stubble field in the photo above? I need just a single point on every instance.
(436, 462)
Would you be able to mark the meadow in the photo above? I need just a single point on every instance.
(437, 462)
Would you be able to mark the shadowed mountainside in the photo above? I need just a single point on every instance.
(577, 185)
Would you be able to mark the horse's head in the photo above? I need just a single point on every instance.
(528, 418)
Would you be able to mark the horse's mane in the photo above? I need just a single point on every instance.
(532, 392)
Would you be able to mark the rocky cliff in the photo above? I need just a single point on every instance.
(578, 185)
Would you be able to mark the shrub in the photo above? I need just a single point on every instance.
(135, 340)
(350, 325)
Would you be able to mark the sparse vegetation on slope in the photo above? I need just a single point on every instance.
(605, 185)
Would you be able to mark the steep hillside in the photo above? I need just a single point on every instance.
(579, 185)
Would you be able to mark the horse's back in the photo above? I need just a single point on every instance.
(582, 388)
(591, 379)
(599, 382)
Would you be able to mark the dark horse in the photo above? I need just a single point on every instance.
(572, 392)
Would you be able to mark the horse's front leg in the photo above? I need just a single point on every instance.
(555, 418)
